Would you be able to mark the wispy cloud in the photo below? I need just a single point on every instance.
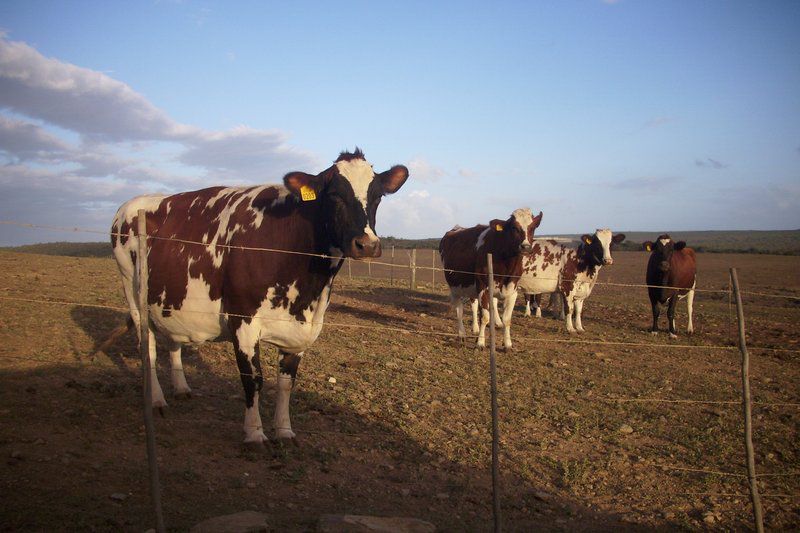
(643, 183)
(69, 133)
(423, 170)
(710, 163)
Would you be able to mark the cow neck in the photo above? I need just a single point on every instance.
(587, 261)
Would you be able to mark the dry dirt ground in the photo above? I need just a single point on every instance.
(405, 429)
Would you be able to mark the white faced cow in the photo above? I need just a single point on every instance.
(551, 267)
(221, 290)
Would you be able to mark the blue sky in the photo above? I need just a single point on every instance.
(633, 115)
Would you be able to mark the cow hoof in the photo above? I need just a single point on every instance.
(580, 330)
(653, 333)
(284, 435)
(690, 331)
(159, 404)
(505, 349)
(182, 395)
(572, 331)
(673, 336)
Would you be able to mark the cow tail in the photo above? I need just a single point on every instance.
(114, 335)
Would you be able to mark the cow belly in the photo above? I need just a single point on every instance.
(281, 329)
(195, 322)
(538, 285)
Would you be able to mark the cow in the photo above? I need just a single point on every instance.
(225, 288)
(551, 267)
(534, 301)
(671, 275)
(463, 252)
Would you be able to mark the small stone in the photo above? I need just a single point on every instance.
(542, 496)
(250, 485)
(668, 515)
(331, 380)
(40, 442)
(422, 315)
(625, 429)
(119, 496)
(405, 492)
(709, 518)
(16, 454)
(573, 414)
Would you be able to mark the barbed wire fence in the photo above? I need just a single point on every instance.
(730, 292)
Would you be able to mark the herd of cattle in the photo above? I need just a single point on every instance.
(207, 282)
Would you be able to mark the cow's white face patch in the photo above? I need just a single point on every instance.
(604, 236)
(664, 242)
(360, 175)
(524, 218)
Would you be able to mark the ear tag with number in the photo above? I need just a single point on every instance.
(498, 227)
(588, 240)
(307, 193)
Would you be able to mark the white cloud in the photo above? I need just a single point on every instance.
(74, 137)
(423, 170)
(416, 215)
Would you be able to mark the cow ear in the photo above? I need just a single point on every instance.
(680, 245)
(586, 239)
(618, 238)
(305, 186)
(537, 220)
(393, 179)
(647, 246)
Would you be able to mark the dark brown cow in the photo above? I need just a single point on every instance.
(671, 275)
(463, 252)
(222, 290)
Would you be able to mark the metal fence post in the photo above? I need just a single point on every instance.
(495, 428)
(746, 405)
(144, 352)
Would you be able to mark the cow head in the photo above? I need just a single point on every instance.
(349, 193)
(517, 232)
(597, 247)
(662, 250)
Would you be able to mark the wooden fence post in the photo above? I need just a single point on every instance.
(493, 374)
(433, 269)
(413, 265)
(369, 268)
(349, 271)
(391, 269)
(144, 353)
(746, 405)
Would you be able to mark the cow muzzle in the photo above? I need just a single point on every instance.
(608, 261)
(664, 266)
(365, 246)
(525, 247)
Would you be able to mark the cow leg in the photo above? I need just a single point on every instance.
(537, 303)
(458, 304)
(245, 343)
(527, 304)
(498, 322)
(578, 312)
(474, 304)
(689, 306)
(570, 308)
(287, 374)
(180, 389)
(156, 394)
(485, 310)
(673, 303)
(656, 312)
(508, 310)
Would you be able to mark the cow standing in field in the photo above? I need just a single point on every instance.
(463, 252)
(671, 275)
(219, 289)
(571, 273)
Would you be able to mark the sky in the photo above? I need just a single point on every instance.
(628, 114)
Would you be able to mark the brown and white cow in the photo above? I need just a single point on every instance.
(463, 252)
(220, 289)
(551, 267)
(671, 275)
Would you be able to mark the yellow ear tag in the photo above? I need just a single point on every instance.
(307, 193)
(649, 248)
(498, 227)
(588, 240)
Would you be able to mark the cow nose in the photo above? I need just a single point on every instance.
(608, 261)
(365, 246)
(525, 247)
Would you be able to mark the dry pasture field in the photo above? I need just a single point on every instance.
(405, 428)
